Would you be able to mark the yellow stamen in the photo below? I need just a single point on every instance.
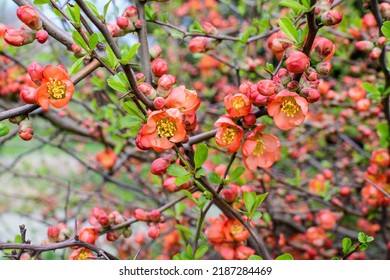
(238, 102)
(290, 106)
(259, 149)
(228, 135)
(83, 255)
(56, 89)
(166, 128)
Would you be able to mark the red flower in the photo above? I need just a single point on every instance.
(163, 129)
(229, 134)
(81, 254)
(56, 88)
(288, 109)
(260, 150)
(237, 105)
(187, 101)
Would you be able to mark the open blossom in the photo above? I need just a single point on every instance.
(229, 134)
(81, 254)
(288, 109)
(237, 105)
(260, 150)
(162, 130)
(56, 88)
(187, 101)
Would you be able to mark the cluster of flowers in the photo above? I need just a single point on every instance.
(31, 29)
(126, 23)
(153, 220)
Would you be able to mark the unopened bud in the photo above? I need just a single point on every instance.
(331, 17)
(209, 28)
(159, 102)
(26, 131)
(148, 90)
(297, 62)
(159, 67)
(42, 36)
(154, 231)
(19, 37)
(29, 16)
(159, 166)
(27, 94)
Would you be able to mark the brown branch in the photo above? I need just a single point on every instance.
(143, 39)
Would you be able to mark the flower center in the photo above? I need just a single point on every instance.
(228, 135)
(56, 89)
(259, 149)
(290, 106)
(83, 255)
(238, 102)
(236, 229)
(166, 128)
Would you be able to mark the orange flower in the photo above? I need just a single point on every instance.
(187, 101)
(235, 231)
(288, 109)
(260, 149)
(56, 88)
(81, 254)
(163, 129)
(229, 134)
(237, 105)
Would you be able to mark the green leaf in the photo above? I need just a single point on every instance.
(383, 133)
(200, 173)
(201, 154)
(236, 173)
(18, 239)
(362, 237)
(111, 58)
(106, 9)
(149, 13)
(256, 216)
(288, 28)
(386, 29)
(214, 178)
(79, 40)
(260, 198)
(177, 170)
(293, 5)
(185, 230)
(182, 179)
(363, 247)
(94, 10)
(41, 2)
(255, 258)
(347, 243)
(370, 239)
(249, 200)
(93, 41)
(286, 257)
(200, 252)
(269, 67)
(117, 85)
(190, 196)
(189, 251)
(131, 108)
(306, 3)
(130, 121)
(128, 54)
(76, 66)
(4, 130)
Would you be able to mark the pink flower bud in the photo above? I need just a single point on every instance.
(169, 184)
(19, 37)
(381, 41)
(283, 76)
(122, 22)
(311, 74)
(324, 68)
(103, 219)
(154, 231)
(155, 215)
(331, 17)
(97, 211)
(266, 87)
(148, 90)
(255, 97)
(35, 71)
(29, 16)
(112, 236)
(141, 215)
(297, 62)
(77, 50)
(42, 36)
(159, 166)
(200, 44)
(375, 53)
(27, 94)
(312, 95)
(385, 10)
(140, 76)
(293, 86)
(364, 45)
(26, 131)
(244, 87)
(138, 24)
(159, 67)
(53, 233)
(88, 235)
(250, 120)
(209, 28)
(165, 84)
(190, 121)
(132, 13)
(155, 51)
(114, 30)
(363, 105)
(322, 50)
(159, 102)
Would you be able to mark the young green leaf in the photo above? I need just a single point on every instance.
(177, 170)
(386, 29)
(255, 258)
(117, 85)
(347, 243)
(4, 130)
(286, 257)
(182, 179)
(200, 173)
(200, 252)
(201, 154)
(94, 10)
(76, 66)
(293, 5)
(289, 29)
(79, 40)
(106, 9)
(131, 108)
(214, 178)
(236, 173)
(93, 41)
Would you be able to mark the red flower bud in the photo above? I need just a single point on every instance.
(266, 87)
(138, 24)
(375, 53)
(312, 95)
(112, 236)
(322, 50)
(250, 120)
(88, 235)
(324, 68)
(141, 215)
(311, 74)
(201, 44)
(122, 22)
(148, 90)
(154, 231)
(132, 13)
(159, 102)
(26, 131)
(244, 87)
(42, 36)
(364, 45)
(297, 62)
(103, 219)
(155, 51)
(209, 28)
(331, 17)
(159, 166)
(27, 94)
(114, 30)
(155, 215)
(53, 233)
(29, 16)
(107, 158)
(255, 97)
(283, 76)
(159, 67)
(19, 37)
